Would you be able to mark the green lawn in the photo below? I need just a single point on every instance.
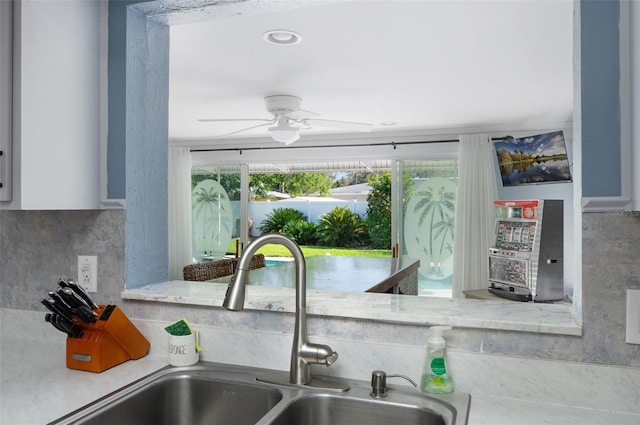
(311, 251)
(273, 250)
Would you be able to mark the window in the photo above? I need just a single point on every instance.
(215, 215)
(428, 192)
(293, 197)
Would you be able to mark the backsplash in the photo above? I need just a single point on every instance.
(38, 247)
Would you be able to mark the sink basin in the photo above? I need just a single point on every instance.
(183, 398)
(212, 393)
(338, 410)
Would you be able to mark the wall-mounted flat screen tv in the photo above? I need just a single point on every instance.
(536, 159)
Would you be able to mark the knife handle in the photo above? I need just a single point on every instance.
(58, 299)
(78, 289)
(51, 304)
(53, 319)
(74, 300)
(49, 307)
(72, 330)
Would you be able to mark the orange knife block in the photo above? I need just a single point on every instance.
(112, 340)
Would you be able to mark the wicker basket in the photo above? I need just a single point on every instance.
(208, 271)
(257, 261)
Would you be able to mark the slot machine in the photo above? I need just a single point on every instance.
(526, 253)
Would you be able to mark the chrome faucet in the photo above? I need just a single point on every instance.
(303, 352)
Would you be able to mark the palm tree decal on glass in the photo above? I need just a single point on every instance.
(212, 220)
(430, 220)
(444, 228)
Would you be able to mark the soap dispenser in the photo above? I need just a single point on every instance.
(435, 379)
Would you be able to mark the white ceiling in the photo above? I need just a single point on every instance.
(427, 65)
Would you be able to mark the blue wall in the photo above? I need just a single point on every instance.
(138, 134)
(600, 98)
(116, 173)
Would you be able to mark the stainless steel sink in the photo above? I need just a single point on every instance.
(212, 393)
(338, 410)
(194, 395)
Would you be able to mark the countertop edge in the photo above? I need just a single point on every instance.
(523, 317)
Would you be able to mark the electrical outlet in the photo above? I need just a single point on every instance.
(88, 272)
(633, 316)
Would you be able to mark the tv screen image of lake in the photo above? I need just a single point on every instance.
(533, 160)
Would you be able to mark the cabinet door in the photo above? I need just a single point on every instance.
(56, 88)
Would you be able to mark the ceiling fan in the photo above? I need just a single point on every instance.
(289, 119)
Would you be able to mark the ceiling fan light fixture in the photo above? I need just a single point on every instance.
(282, 37)
(284, 133)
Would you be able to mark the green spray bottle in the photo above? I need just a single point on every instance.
(435, 379)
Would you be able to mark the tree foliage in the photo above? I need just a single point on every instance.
(229, 181)
(352, 178)
(278, 219)
(294, 184)
(379, 210)
(340, 227)
(303, 232)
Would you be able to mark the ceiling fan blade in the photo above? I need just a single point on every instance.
(345, 125)
(246, 129)
(233, 119)
(300, 114)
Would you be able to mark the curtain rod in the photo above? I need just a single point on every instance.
(351, 145)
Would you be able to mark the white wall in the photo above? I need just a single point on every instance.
(259, 210)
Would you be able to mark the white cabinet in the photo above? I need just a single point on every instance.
(56, 105)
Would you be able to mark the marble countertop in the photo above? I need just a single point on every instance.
(486, 410)
(37, 388)
(517, 316)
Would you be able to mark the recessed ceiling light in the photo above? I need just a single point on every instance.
(282, 37)
(389, 123)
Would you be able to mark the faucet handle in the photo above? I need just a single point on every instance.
(333, 357)
(323, 354)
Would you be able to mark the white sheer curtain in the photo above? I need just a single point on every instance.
(179, 211)
(474, 213)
